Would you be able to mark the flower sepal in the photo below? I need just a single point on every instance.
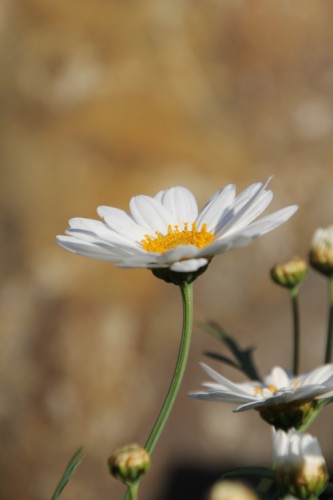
(178, 278)
(289, 415)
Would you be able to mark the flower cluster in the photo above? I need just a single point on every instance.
(287, 401)
(168, 234)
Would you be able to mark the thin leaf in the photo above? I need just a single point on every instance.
(220, 357)
(243, 357)
(260, 472)
(74, 463)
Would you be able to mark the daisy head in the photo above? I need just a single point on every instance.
(169, 235)
(282, 400)
(300, 467)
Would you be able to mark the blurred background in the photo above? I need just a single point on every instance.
(102, 100)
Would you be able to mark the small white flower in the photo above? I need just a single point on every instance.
(299, 463)
(168, 231)
(284, 401)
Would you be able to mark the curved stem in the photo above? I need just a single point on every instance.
(187, 298)
(328, 352)
(296, 329)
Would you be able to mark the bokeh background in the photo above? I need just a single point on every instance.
(102, 100)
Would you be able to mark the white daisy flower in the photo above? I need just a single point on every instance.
(167, 231)
(299, 464)
(284, 401)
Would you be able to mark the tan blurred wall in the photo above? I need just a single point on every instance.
(102, 100)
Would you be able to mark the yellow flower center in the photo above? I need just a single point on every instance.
(174, 238)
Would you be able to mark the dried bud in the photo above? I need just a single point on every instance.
(321, 251)
(300, 466)
(290, 274)
(129, 463)
(229, 490)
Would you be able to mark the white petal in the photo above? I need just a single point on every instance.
(87, 249)
(216, 207)
(181, 203)
(97, 230)
(241, 206)
(266, 224)
(317, 376)
(259, 204)
(150, 214)
(227, 385)
(219, 396)
(119, 221)
(278, 377)
(188, 266)
(179, 253)
(222, 246)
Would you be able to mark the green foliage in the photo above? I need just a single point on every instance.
(242, 357)
(74, 463)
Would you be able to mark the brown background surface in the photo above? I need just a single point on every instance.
(102, 100)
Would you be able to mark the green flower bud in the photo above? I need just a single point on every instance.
(321, 251)
(300, 466)
(227, 490)
(129, 464)
(290, 274)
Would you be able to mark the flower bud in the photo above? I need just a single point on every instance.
(129, 463)
(321, 251)
(300, 466)
(290, 274)
(229, 490)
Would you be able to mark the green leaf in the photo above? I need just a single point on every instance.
(224, 359)
(259, 472)
(74, 463)
(243, 357)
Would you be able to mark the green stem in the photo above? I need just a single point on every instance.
(187, 297)
(328, 352)
(296, 329)
(132, 491)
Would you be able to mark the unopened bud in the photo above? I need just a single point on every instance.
(290, 274)
(300, 466)
(230, 490)
(129, 463)
(321, 251)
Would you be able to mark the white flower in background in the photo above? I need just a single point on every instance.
(226, 490)
(321, 251)
(299, 464)
(283, 401)
(167, 230)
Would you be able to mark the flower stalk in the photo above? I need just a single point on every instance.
(296, 329)
(187, 298)
(328, 351)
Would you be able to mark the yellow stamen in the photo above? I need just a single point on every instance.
(174, 238)
(272, 388)
(296, 383)
(260, 390)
